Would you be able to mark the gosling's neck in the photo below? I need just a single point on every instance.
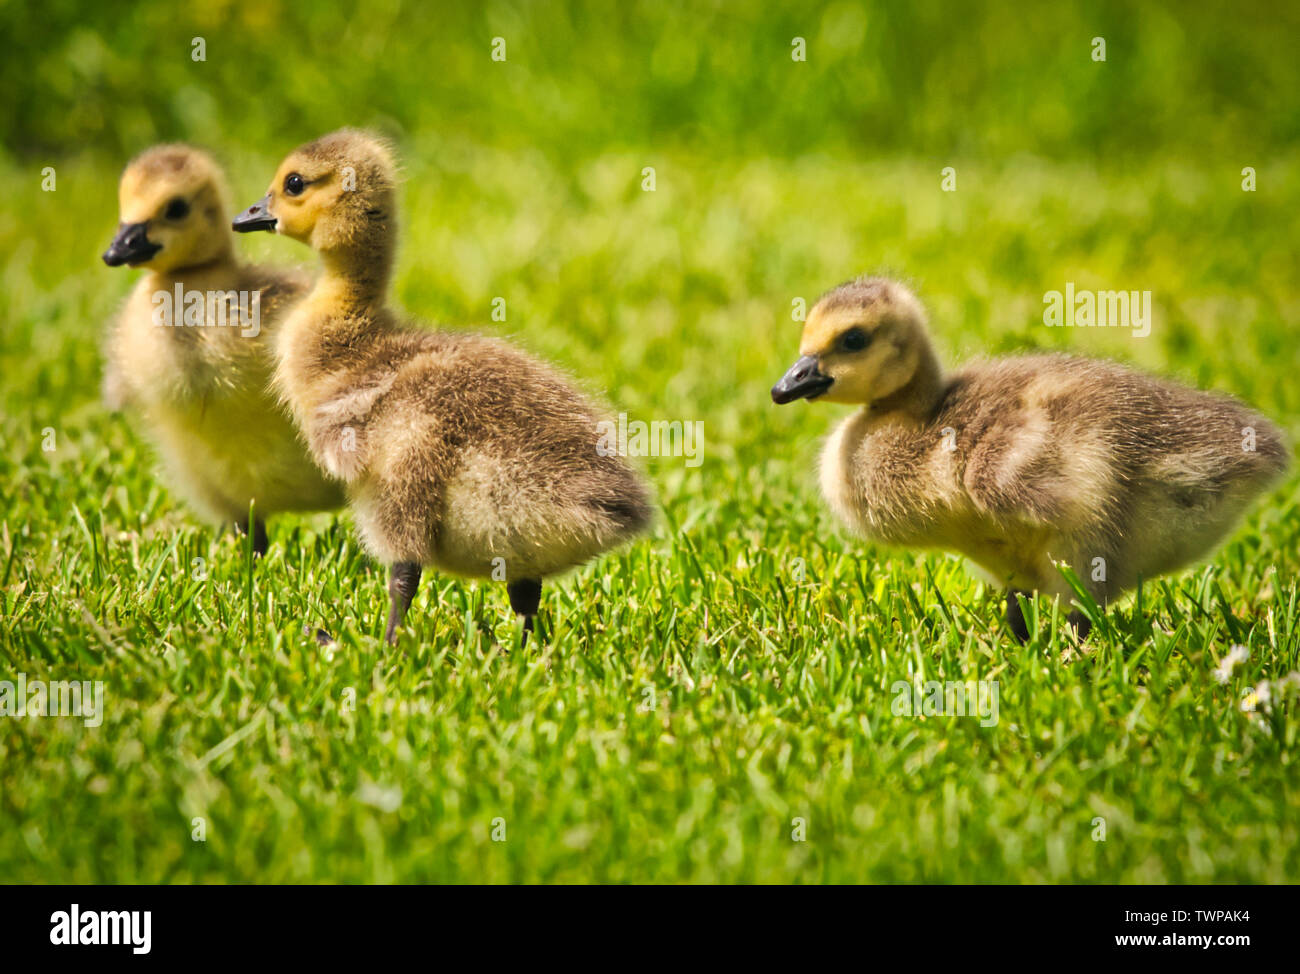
(355, 279)
(218, 273)
(221, 262)
(917, 400)
(345, 304)
(322, 336)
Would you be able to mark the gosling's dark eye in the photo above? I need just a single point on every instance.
(294, 184)
(177, 209)
(854, 340)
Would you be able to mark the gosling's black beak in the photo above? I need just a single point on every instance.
(256, 217)
(130, 246)
(803, 381)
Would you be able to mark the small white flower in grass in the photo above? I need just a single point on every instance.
(1264, 695)
(1237, 654)
(1260, 698)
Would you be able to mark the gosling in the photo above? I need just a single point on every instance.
(194, 359)
(1022, 463)
(457, 451)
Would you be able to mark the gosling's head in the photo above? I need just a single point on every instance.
(862, 342)
(172, 205)
(335, 194)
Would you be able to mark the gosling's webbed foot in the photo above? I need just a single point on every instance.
(525, 596)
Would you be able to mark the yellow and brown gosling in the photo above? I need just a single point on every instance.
(1021, 463)
(190, 350)
(458, 451)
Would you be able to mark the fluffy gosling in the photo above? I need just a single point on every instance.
(1021, 463)
(457, 451)
(200, 386)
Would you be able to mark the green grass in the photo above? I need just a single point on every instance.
(766, 639)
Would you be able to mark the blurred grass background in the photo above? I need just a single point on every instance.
(928, 80)
(774, 180)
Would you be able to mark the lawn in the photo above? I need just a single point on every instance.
(716, 702)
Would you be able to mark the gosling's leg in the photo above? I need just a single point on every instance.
(1016, 615)
(525, 596)
(260, 541)
(403, 583)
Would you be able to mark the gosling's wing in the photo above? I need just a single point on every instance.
(1076, 442)
(1038, 438)
(1200, 441)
